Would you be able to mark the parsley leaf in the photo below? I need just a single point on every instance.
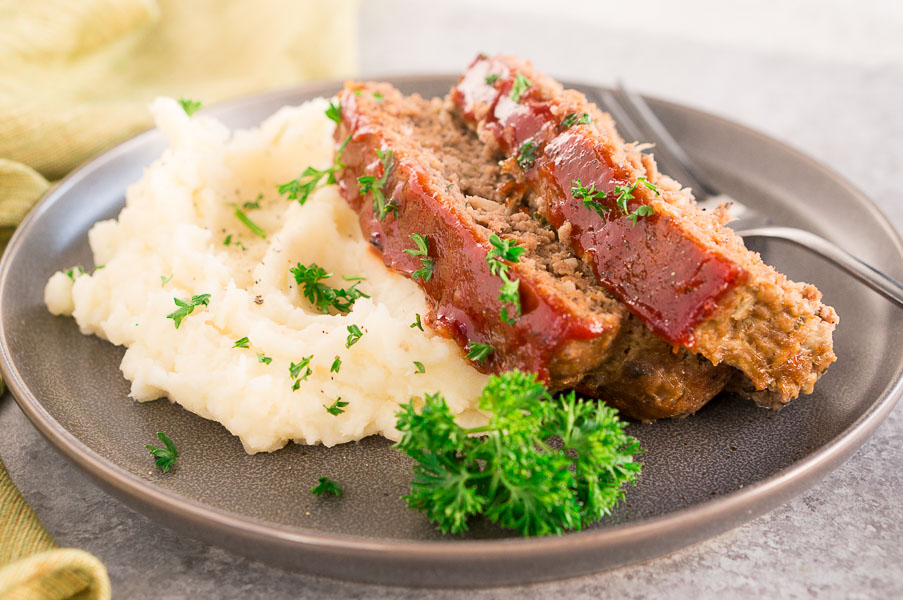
(302, 187)
(294, 369)
(327, 486)
(321, 295)
(76, 271)
(526, 156)
(253, 205)
(572, 119)
(263, 358)
(336, 365)
(590, 196)
(425, 272)
(377, 185)
(186, 307)
(242, 343)
(519, 89)
(643, 210)
(378, 96)
(190, 106)
(255, 228)
(491, 79)
(166, 456)
(337, 407)
(334, 112)
(354, 334)
(164, 280)
(510, 293)
(417, 322)
(505, 250)
(478, 352)
(512, 475)
(419, 367)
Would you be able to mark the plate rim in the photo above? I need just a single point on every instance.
(728, 510)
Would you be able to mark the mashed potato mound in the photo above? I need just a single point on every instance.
(179, 236)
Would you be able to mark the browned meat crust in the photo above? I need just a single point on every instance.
(732, 309)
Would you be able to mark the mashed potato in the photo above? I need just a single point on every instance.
(179, 237)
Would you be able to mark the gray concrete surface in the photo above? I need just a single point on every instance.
(841, 539)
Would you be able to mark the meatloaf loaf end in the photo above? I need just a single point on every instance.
(686, 276)
(411, 168)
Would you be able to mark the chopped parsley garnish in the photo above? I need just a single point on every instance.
(254, 227)
(354, 334)
(337, 407)
(590, 197)
(228, 242)
(519, 88)
(186, 307)
(502, 250)
(511, 474)
(263, 358)
(478, 352)
(253, 205)
(644, 210)
(242, 343)
(378, 96)
(572, 119)
(625, 193)
(417, 322)
(491, 79)
(369, 183)
(334, 112)
(321, 295)
(419, 367)
(294, 370)
(164, 279)
(526, 156)
(166, 456)
(326, 486)
(190, 106)
(358, 92)
(505, 250)
(302, 187)
(336, 365)
(425, 272)
(74, 272)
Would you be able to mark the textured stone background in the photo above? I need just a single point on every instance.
(816, 75)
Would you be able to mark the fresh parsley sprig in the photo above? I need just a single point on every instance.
(337, 407)
(321, 295)
(294, 370)
(572, 119)
(167, 456)
(189, 106)
(186, 307)
(512, 473)
(479, 352)
(519, 89)
(377, 186)
(326, 486)
(334, 112)
(526, 156)
(502, 253)
(425, 272)
(354, 334)
(590, 197)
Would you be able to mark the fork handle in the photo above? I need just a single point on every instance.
(870, 276)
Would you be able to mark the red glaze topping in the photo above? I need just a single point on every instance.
(667, 279)
(462, 291)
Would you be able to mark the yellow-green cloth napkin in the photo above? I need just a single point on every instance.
(32, 566)
(75, 79)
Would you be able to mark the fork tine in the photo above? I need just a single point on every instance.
(666, 146)
(626, 126)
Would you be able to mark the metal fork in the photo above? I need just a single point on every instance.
(641, 123)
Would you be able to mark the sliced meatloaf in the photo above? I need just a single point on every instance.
(433, 198)
(686, 276)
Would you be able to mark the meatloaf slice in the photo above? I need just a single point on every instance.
(412, 168)
(686, 276)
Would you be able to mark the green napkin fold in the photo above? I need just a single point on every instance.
(32, 566)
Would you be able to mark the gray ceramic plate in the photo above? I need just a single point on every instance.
(701, 476)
